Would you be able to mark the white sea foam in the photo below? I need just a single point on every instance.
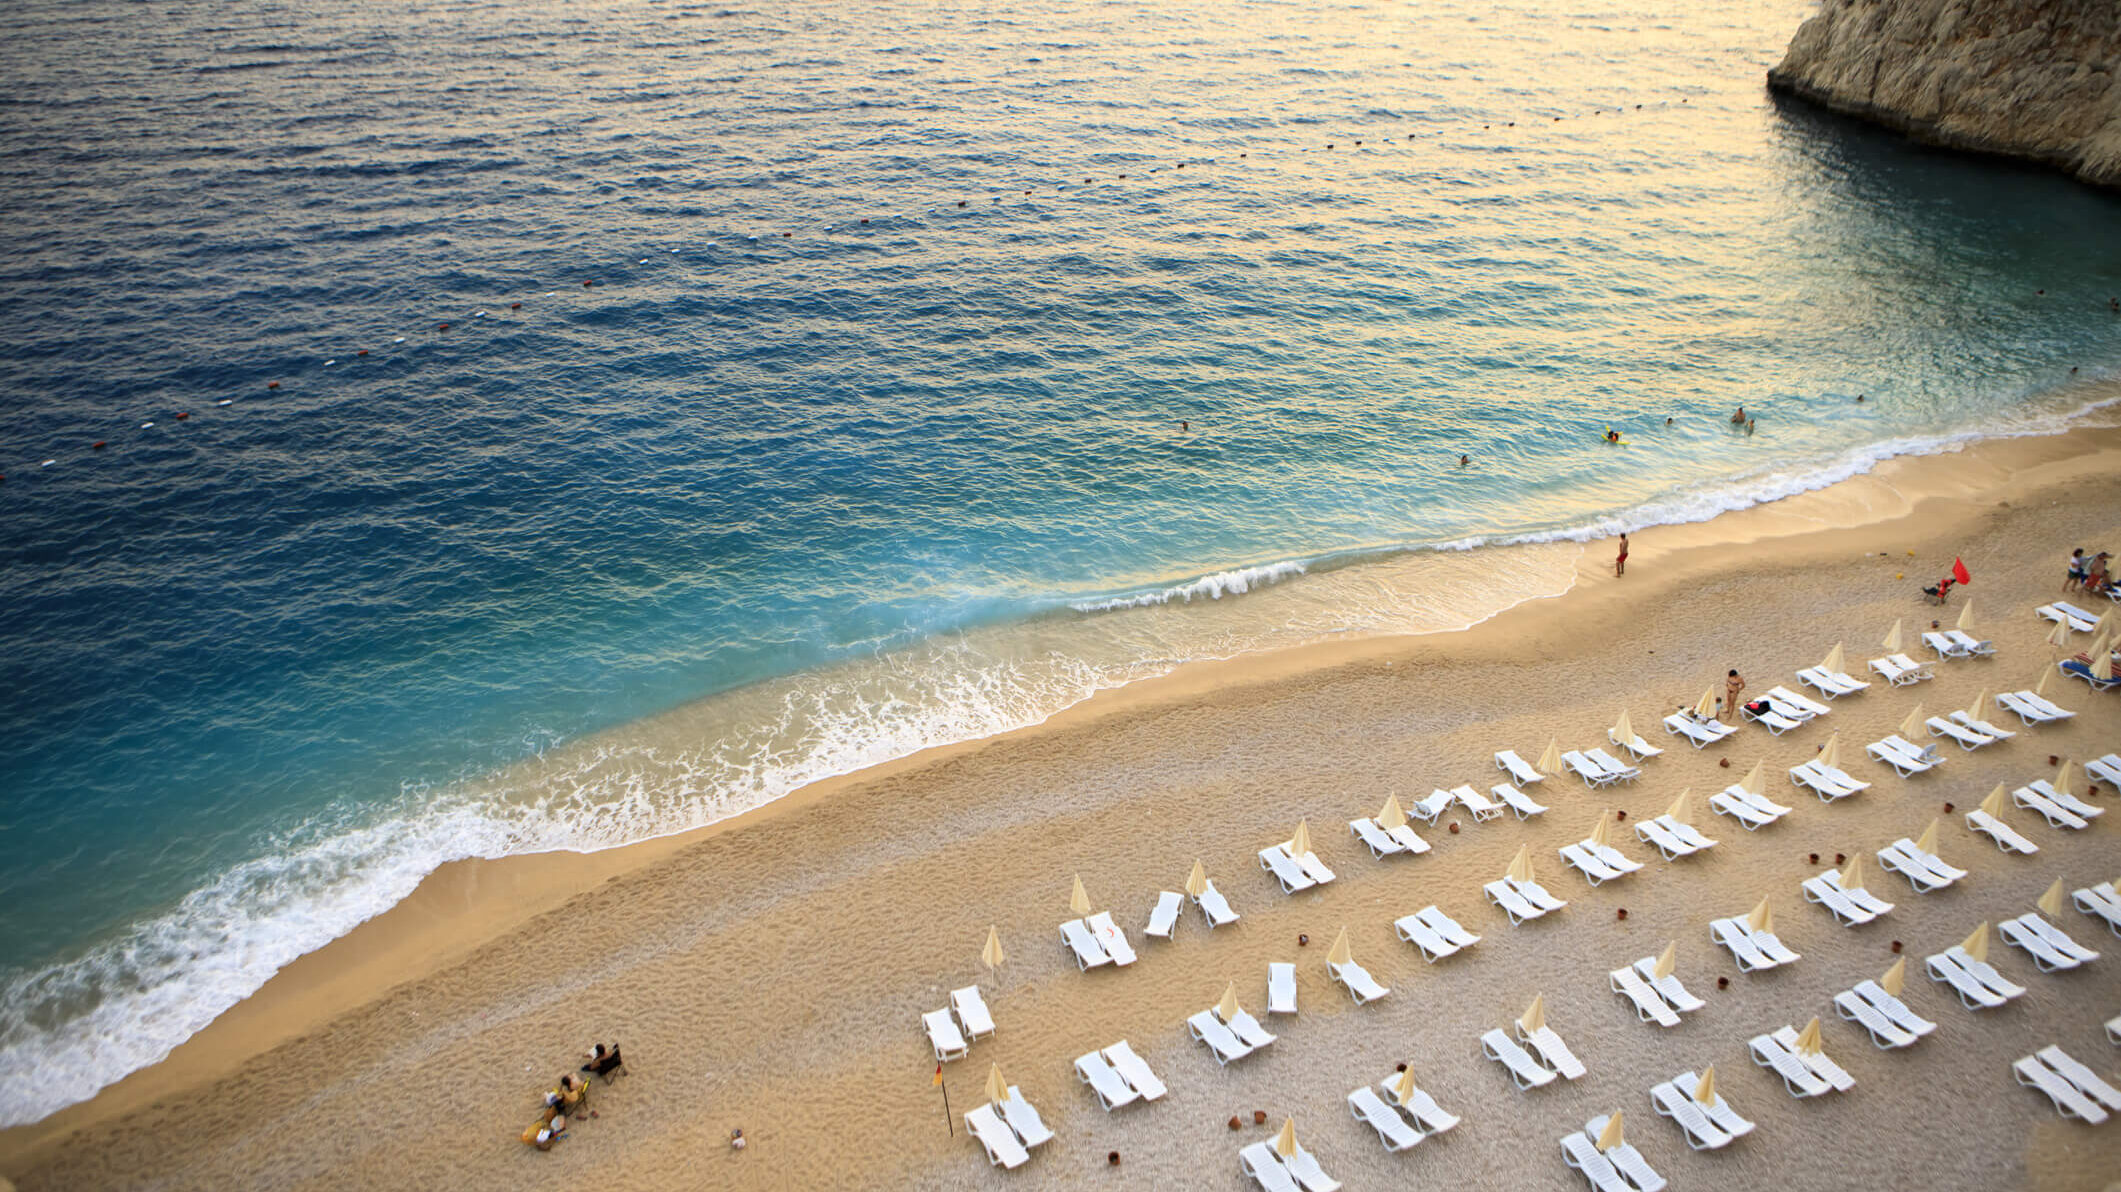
(1234, 582)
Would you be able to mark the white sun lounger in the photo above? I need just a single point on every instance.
(1551, 1049)
(1517, 768)
(1698, 733)
(2113, 1030)
(1982, 726)
(1648, 1006)
(1513, 904)
(2090, 1083)
(1943, 646)
(1276, 860)
(1821, 1065)
(2031, 713)
(1629, 1161)
(1003, 1150)
(1719, 1110)
(1968, 738)
(2079, 620)
(2065, 800)
(971, 1010)
(1884, 1032)
(1969, 645)
(1828, 782)
(1516, 800)
(1581, 1152)
(1481, 807)
(1030, 1130)
(1537, 895)
(1750, 810)
(1801, 1082)
(1111, 938)
(1831, 684)
(1978, 984)
(1392, 1127)
(1894, 1010)
(1825, 889)
(1593, 868)
(2070, 1101)
(2051, 947)
(1926, 872)
(1593, 774)
(1112, 1091)
(2056, 815)
(1701, 1133)
(1165, 916)
(2106, 769)
(1089, 954)
(1635, 746)
(1427, 809)
(943, 1035)
(1309, 1173)
(1769, 717)
(1524, 1070)
(1408, 839)
(1669, 988)
(1281, 987)
(1796, 705)
(1437, 934)
(1421, 1106)
(1900, 670)
(2005, 836)
(1135, 1070)
(1265, 1167)
(1375, 838)
(1215, 907)
(1620, 770)
(1658, 833)
(1906, 758)
(2101, 902)
(1358, 982)
(1248, 1028)
(1221, 1040)
(1744, 948)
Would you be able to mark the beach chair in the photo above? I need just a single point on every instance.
(1905, 759)
(1658, 833)
(1581, 1152)
(1523, 1069)
(943, 1035)
(1978, 984)
(1281, 987)
(1134, 1070)
(1969, 645)
(1309, 1173)
(1822, 1066)
(1885, 1034)
(1894, 1010)
(2087, 1081)
(1517, 801)
(2106, 769)
(2078, 670)
(1687, 833)
(1648, 1006)
(1640, 1175)
(1089, 954)
(2070, 1101)
(1111, 938)
(1701, 1133)
(1481, 807)
(1967, 738)
(1982, 726)
(1698, 733)
(1375, 838)
(1437, 934)
(1357, 980)
(1420, 1106)
(1513, 904)
(971, 1011)
(2056, 815)
(1517, 768)
(1165, 916)
(1024, 1120)
(1621, 771)
(1634, 746)
(1537, 895)
(1763, 712)
(1276, 860)
(1593, 774)
(1111, 1089)
(1669, 988)
(1772, 947)
(1003, 1150)
(1265, 1167)
(1828, 782)
(2101, 902)
(1943, 646)
(2050, 947)
(1782, 1059)
(1853, 907)
(1248, 1028)
(2029, 712)
(1735, 936)
(1215, 907)
(1718, 1109)
(1901, 671)
(2079, 620)
(2065, 800)
(1392, 1128)
(1796, 705)
(1222, 1042)
(1926, 872)
(2005, 836)
(1831, 684)
(1750, 810)
(1552, 1050)
(1594, 869)
(1426, 810)
(2113, 1030)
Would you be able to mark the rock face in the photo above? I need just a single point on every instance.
(2032, 79)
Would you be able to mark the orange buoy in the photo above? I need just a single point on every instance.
(96, 446)
(511, 306)
(442, 327)
(182, 415)
(362, 352)
(274, 385)
(961, 202)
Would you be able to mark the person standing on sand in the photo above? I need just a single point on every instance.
(2075, 578)
(1732, 685)
(1620, 561)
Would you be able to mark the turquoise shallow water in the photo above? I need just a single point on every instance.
(755, 508)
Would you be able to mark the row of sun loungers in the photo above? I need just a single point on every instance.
(1828, 782)
(1234, 1039)
(2076, 1090)
(1009, 1129)
(1618, 1168)
(1598, 768)
(1278, 1173)
(1599, 863)
(1978, 984)
(1699, 732)
(2033, 708)
(2102, 902)
(1525, 1071)
(1522, 901)
(1890, 1023)
(1925, 871)
(1294, 872)
(1660, 1000)
(1436, 934)
(1831, 684)
(1673, 838)
(2062, 611)
(1755, 949)
(1905, 757)
(1752, 810)
(1804, 1074)
(2006, 837)
(1708, 1127)
(1853, 907)
(1901, 671)
(970, 1011)
(1958, 643)
(1385, 842)
(1399, 1126)
(1096, 940)
(1118, 1076)
(2060, 810)
(2050, 947)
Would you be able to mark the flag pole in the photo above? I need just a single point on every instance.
(947, 1123)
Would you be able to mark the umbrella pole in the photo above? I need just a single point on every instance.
(947, 1123)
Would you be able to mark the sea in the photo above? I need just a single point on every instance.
(444, 430)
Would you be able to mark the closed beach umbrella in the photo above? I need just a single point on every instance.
(1705, 1088)
(1705, 707)
(1912, 726)
(1751, 781)
(1966, 618)
(1535, 1015)
(1601, 830)
(2060, 637)
(1667, 961)
(1993, 805)
(1895, 978)
(2101, 643)
(1393, 815)
(1339, 953)
(1808, 1038)
(1611, 1136)
(1285, 1142)
(1682, 807)
(1852, 873)
(2103, 667)
(1836, 660)
(997, 1087)
(2050, 903)
(1197, 881)
(1927, 842)
(991, 955)
(1623, 731)
(1520, 869)
(2066, 778)
(1300, 843)
(1550, 761)
(1892, 637)
(1226, 1009)
(1973, 711)
(2040, 687)
(1403, 1088)
(1759, 917)
(1078, 901)
(1976, 945)
(1830, 754)
(2108, 622)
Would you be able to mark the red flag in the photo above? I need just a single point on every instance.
(938, 1076)
(1959, 573)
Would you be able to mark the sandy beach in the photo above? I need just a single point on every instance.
(769, 973)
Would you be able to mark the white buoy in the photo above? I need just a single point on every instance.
(48, 463)
(329, 363)
(225, 402)
(147, 426)
(399, 340)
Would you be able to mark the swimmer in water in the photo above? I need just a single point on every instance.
(1611, 435)
(1738, 419)
(1185, 426)
(1463, 460)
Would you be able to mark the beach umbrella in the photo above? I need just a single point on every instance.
(2101, 643)
(1393, 815)
(1966, 618)
(2060, 637)
(2066, 778)
(1705, 707)
(1403, 1086)
(1976, 945)
(1852, 873)
(1973, 712)
(1611, 1136)
(1836, 660)
(2050, 903)
(1623, 731)
(1912, 726)
(1078, 901)
(1300, 843)
(1892, 637)
(1535, 1015)
(1550, 761)
(1285, 1142)
(1895, 977)
(1760, 918)
(1197, 881)
(1339, 953)
(991, 955)
(1705, 1088)
(1682, 807)
(1830, 753)
(1993, 805)
(997, 1086)
(1751, 781)
(2040, 688)
(1601, 831)
(1927, 842)
(1226, 1009)
(1808, 1039)
(2103, 667)
(2108, 622)
(1520, 869)
(1667, 960)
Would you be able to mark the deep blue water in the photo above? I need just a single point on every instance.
(850, 484)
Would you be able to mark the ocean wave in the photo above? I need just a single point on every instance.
(1235, 582)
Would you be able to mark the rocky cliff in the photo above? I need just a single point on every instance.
(2033, 79)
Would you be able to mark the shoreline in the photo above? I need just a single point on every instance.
(465, 906)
